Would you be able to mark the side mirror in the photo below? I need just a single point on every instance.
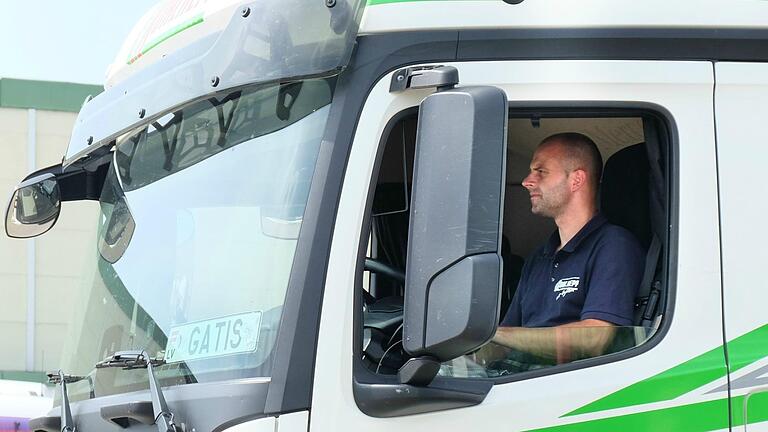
(453, 270)
(34, 207)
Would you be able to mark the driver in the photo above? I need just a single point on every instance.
(586, 275)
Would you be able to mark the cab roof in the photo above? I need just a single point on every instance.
(172, 24)
(383, 16)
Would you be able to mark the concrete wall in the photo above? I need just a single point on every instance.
(13, 255)
(37, 275)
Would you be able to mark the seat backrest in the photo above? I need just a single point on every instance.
(512, 268)
(625, 201)
(624, 192)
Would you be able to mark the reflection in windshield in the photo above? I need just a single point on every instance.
(199, 218)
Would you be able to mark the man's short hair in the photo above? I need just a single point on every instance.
(581, 152)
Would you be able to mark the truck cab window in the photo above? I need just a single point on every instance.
(616, 306)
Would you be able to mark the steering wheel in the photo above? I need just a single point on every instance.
(383, 320)
(381, 268)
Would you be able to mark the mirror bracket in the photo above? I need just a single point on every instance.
(419, 371)
(440, 77)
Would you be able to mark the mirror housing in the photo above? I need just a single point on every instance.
(453, 269)
(72, 184)
(34, 207)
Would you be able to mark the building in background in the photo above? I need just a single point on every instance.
(37, 275)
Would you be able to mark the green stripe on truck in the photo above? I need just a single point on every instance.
(694, 417)
(667, 385)
(687, 376)
(167, 35)
(703, 416)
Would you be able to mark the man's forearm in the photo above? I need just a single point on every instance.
(582, 339)
(537, 341)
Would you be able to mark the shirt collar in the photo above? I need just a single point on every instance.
(554, 240)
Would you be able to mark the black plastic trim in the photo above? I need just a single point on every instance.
(45, 424)
(76, 184)
(614, 43)
(384, 396)
(124, 413)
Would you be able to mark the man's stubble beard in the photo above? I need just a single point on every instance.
(552, 203)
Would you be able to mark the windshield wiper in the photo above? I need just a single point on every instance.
(59, 377)
(138, 360)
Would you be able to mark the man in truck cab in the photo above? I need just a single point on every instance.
(577, 287)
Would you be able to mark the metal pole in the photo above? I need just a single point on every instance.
(31, 243)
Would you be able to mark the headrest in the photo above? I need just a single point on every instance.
(624, 193)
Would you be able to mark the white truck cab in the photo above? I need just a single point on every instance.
(312, 216)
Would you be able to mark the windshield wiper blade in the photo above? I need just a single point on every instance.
(137, 360)
(59, 377)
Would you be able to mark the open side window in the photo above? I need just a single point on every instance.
(634, 194)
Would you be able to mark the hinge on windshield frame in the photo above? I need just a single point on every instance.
(439, 76)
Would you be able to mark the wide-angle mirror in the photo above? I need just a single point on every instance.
(34, 207)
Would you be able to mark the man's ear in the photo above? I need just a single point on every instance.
(578, 179)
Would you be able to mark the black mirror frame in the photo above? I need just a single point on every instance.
(15, 228)
(455, 227)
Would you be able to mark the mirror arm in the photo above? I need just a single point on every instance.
(82, 184)
(77, 183)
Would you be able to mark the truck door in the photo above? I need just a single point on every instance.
(741, 89)
(670, 377)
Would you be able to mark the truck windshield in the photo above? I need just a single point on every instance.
(199, 218)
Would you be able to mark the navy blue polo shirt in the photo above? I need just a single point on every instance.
(595, 275)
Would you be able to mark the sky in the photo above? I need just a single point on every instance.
(64, 40)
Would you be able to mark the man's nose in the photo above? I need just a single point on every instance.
(528, 182)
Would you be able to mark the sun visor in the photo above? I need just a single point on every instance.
(203, 51)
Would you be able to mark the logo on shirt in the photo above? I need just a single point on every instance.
(566, 286)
